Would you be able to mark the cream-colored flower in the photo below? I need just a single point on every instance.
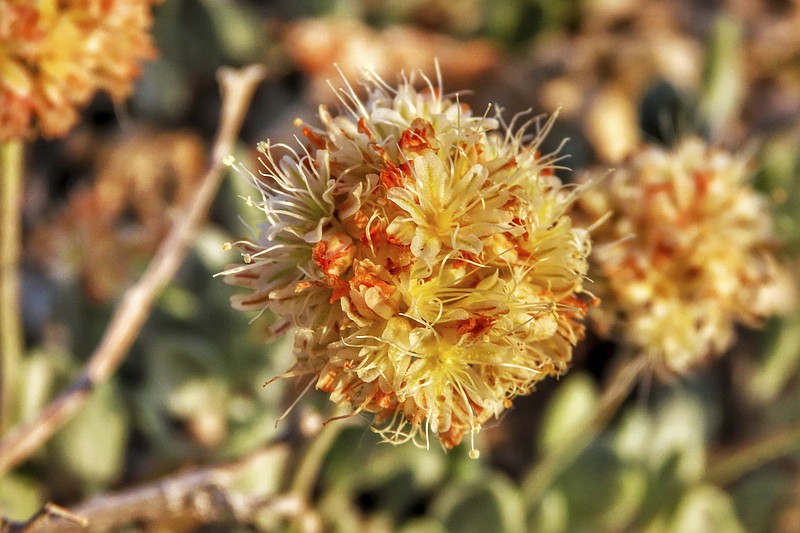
(54, 55)
(424, 257)
(686, 253)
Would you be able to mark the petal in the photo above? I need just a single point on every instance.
(426, 245)
(15, 77)
(435, 180)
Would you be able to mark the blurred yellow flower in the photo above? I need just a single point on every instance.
(54, 55)
(424, 257)
(686, 253)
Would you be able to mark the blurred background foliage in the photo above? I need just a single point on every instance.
(190, 392)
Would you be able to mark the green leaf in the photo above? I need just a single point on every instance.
(550, 514)
(263, 473)
(568, 410)
(780, 171)
(19, 497)
(723, 76)
(601, 491)
(423, 525)
(39, 373)
(664, 491)
(632, 437)
(179, 303)
(239, 32)
(359, 461)
(492, 505)
(92, 446)
(758, 496)
(163, 90)
(252, 423)
(706, 509)
(680, 430)
(340, 513)
(394, 478)
(780, 360)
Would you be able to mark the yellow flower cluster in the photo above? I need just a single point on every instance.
(55, 54)
(422, 255)
(685, 254)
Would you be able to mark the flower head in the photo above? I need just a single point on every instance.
(424, 257)
(685, 254)
(55, 55)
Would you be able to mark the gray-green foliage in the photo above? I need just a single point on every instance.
(646, 473)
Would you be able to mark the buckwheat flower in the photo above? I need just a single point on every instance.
(423, 256)
(686, 253)
(54, 55)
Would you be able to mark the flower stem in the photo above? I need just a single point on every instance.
(11, 344)
(558, 459)
(731, 466)
(306, 473)
(310, 464)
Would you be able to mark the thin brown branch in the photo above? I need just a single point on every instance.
(237, 89)
(729, 466)
(201, 496)
(48, 514)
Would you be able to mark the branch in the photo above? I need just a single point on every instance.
(202, 496)
(727, 467)
(50, 512)
(237, 89)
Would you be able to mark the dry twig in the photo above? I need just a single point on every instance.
(727, 467)
(48, 514)
(133, 310)
(202, 496)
